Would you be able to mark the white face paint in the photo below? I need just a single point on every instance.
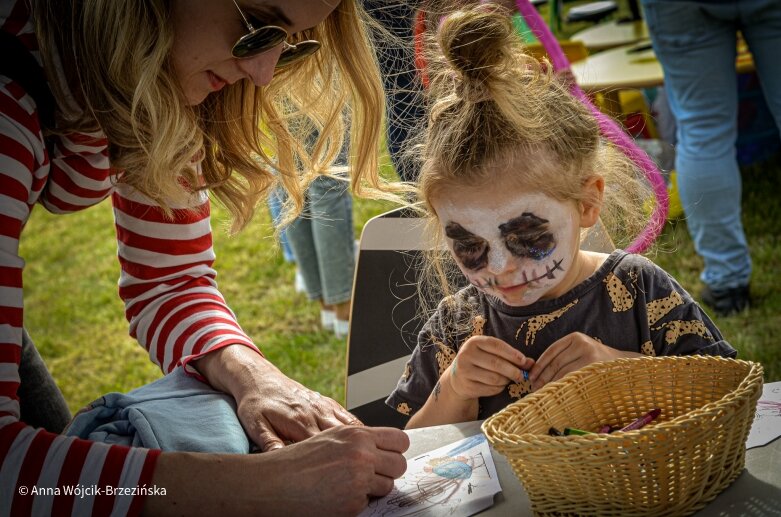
(516, 245)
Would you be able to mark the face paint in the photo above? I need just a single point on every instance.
(516, 245)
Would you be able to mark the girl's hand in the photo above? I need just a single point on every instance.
(570, 353)
(484, 366)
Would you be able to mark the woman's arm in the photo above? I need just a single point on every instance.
(177, 313)
(333, 473)
(32, 459)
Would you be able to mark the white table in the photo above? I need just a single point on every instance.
(631, 67)
(612, 34)
(756, 492)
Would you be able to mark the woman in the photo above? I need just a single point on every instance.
(171, 94)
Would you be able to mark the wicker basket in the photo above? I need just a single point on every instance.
(673, 466)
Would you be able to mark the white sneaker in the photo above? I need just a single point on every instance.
(341, 327)
(327, 319)
(299, 282)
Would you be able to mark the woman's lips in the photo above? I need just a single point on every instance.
(217, 82)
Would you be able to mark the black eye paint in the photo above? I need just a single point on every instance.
(470, 249)
(528, 236)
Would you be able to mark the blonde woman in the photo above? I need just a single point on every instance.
(154, 103)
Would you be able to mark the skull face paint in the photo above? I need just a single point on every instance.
(515, 245)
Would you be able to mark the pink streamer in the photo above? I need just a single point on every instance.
(609, 129)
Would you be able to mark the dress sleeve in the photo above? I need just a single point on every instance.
(677, 324)
(43, 473)
(431, 357)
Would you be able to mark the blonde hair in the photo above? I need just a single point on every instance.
(492, 103)
(120, 79)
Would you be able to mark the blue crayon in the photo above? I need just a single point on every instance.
(525, 375)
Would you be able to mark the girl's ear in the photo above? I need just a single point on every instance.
(591, 204)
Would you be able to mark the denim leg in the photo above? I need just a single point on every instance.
(761, 26)
(275, 200)
(696, 45)
(403, 90)
(301, 240)
(330, 206)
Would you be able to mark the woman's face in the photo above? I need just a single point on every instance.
(518, 245)
(205, 31)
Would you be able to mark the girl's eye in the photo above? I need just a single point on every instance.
(541, 249)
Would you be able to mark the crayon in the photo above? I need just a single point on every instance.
(525, 375)
(643, 420)
(605, 429)
(554, 432)
(570, 431)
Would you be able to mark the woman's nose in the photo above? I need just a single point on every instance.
(260, 69)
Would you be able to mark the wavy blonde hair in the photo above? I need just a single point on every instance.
(492, 103)
(120, 79)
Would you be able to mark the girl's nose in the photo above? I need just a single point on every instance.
(260, 69)
(499, 260)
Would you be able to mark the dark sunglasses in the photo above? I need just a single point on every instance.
(263, 39)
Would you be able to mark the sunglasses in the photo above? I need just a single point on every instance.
(267, 37)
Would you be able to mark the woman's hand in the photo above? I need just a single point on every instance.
(333, 473)
(272, 408)
(570, 353)
(484, 366)
(281, 410)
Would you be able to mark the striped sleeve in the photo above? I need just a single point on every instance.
(168, 284)
(79, 173)
(45, 464)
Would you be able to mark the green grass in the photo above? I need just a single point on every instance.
(76, 319)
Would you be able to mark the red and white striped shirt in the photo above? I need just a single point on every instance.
(167, 283)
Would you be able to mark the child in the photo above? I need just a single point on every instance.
(513, 169)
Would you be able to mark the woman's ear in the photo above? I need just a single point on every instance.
(591, 203)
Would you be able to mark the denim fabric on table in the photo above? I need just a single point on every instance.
(323, 243)
(695, 42)
(174, 413)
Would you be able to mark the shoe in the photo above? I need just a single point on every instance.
(341, 328)
(299, 284)
(327, 319)
(726, 302)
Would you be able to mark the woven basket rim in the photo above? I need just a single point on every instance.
(746, 385)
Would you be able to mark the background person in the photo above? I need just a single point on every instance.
(696, 43)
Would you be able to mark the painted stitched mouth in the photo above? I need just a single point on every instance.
(549, 274)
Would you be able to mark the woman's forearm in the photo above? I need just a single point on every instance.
(234, 369)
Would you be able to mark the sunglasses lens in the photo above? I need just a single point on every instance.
(258, 41)
(298, 52)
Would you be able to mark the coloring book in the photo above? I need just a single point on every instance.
(457, 480)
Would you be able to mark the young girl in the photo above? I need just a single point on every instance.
(513, 169)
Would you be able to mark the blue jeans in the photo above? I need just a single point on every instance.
(695, 42)
(323, 243)
(406, 112)
(275, 207)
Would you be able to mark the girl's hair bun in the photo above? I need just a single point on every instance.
(477, 43)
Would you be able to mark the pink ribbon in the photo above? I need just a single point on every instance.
(609, 128)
